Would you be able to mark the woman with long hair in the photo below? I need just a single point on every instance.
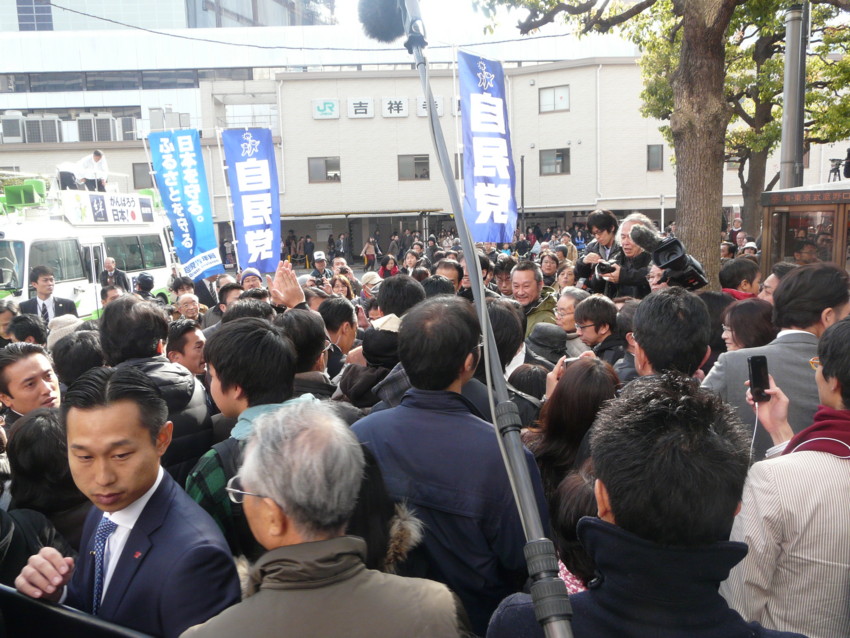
(388, 267)
(572, 404)
(340, 285)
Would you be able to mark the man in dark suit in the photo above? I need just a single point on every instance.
(44, 304)
(151, 559)
(111, 276)
(807, 301)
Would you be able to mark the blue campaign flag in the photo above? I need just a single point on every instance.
(489, 206)
(249, 154)
(182, 184)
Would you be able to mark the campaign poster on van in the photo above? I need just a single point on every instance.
(182, 182)
(489, 178)
(251, 171)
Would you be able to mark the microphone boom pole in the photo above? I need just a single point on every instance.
(551, 603)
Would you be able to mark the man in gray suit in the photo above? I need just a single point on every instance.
(806, 302)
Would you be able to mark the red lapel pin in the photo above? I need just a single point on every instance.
(137, 555)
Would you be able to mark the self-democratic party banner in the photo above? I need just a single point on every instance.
(182, 184)
(489, 206)
(249, 154)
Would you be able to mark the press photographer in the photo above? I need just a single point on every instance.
(603, 225)
(669, 255)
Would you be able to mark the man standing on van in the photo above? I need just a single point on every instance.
(111, 276)
(44, 304)
(93, 171)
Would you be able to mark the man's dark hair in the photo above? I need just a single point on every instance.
(372, 303)
(132, 329)
(672, 327)
(260, 294)
(805, 292)
(177, 334)
(102, 387)
(76, 353)
(800, 246)
(504, 265)
(311, 293)
(626, 317)
(437, 285)
(104, 292)
(226, 289)
(450, 264)
(337, 310)
(598, 310)
(254, 355)
(182, 282)
(38, 458)
(434, 340)
(507, 329)
(782, 268)
(529, 265)
(418, 243)
(26, 325)
(242, 308)
(602, 220)
(400, 293)
(40, 271)
(484, 263)
(673, 458)
(307, 331)
(15, 352)
(834, 354)
(735, 271)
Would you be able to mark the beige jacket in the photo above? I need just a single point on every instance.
(324, 589)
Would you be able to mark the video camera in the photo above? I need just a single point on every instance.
(669, 254)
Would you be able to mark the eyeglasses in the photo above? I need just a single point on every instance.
(815, 363)
(596, 232)
(561, 313)
(585, 326)
(235, 492)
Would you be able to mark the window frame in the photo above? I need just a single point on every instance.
(649, 158)
(565, 152)
(554, 102)
(418, 161)
(329, 171)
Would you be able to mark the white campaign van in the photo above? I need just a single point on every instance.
(74, 234)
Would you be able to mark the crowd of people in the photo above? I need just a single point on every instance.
(315, 455)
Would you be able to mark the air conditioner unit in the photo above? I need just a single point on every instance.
(172, 120)
(104, 127)
(128, 128)
(185, 120)
(32, 129)
(51, 128)
(85, 127)
(157, 119)
(12, 125)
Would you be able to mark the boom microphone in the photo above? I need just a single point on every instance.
(382, 20)
(645, 237)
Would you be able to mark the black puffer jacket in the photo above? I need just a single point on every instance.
(187, 409)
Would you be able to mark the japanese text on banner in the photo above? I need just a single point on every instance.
(489, 206)
(250, 159)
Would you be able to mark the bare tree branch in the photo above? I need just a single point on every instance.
(603, 25)
(535, 19)
(769, 186)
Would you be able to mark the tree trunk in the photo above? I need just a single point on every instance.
(752, 189)
(698, 124)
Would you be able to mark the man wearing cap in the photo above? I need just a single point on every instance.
(750, 248)
(251, 278)
(368, 282)
(144, 285)
(320, 269)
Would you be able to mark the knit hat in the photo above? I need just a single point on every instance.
(60, 327)
(250, 272)
(548, 340)
(370, 278)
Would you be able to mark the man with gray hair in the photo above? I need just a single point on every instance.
(298, 486)
(631, 265)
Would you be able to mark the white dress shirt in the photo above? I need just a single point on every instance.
(125, 519)
(88, 168)
(51, 307)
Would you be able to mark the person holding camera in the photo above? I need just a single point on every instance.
(601, 254)
(627, 277)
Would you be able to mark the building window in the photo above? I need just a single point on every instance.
(164, 79)
(323, 169)
(57, 82)
(555, 98)
(113, 80)
(413, 167)
(555, 162)
(141, 176)
(35, 15)
(655, 157)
